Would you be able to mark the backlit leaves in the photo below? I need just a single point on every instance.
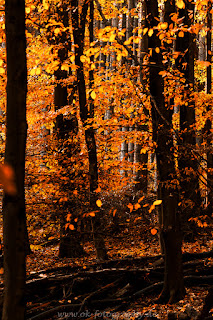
(180, 4)
(99, 203)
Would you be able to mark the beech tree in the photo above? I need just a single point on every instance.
(14, 217)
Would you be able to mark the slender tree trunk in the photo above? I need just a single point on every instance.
(208, 125)
(78, 24)
(14, 215)
(141, 175)
(188, 163)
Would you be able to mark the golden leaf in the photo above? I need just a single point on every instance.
(99, 203)
(150, 32)
(180, 4)
(157, 202)
(93, 95)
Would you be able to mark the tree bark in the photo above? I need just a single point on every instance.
(188, 163)
(78, 25)
(169, 217)
(14, 214)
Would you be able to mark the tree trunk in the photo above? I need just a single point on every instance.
(188, 163)
(169, 218)
(208, 125)
(78, 24)
(14, 215)
(66, 128)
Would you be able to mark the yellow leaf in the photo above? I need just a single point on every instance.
(27, 10)
(153, 231)
(112, 38)
(119, 56)
(83, 59)
(32, 72)
(180, 4)
(145, 30)
(57, 31)
(71, 227)
(1, 70)
(45, 5)
(99, 203)
(136, 40)
(157, 50)
(164, 25)
(1, 62)
(150, 33)
(38, 71)
(72, 58)
(65, 67)
(93, 95)
(157, 202)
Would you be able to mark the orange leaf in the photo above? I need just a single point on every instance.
(130, 206)
(153, 231)
(7, 179)
(91, 214)
(69, 217)
(98, 190)
(137, 206)
(114, 212)
(71, 227)
(141, 199)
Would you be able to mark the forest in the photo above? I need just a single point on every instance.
(106, 159)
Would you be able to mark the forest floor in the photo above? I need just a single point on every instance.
(132, 255)
(124, 287)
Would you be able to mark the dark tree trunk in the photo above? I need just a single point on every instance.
(169, 218)
(66, 128)
(188, 162)
(14, 215)
(78, 24)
